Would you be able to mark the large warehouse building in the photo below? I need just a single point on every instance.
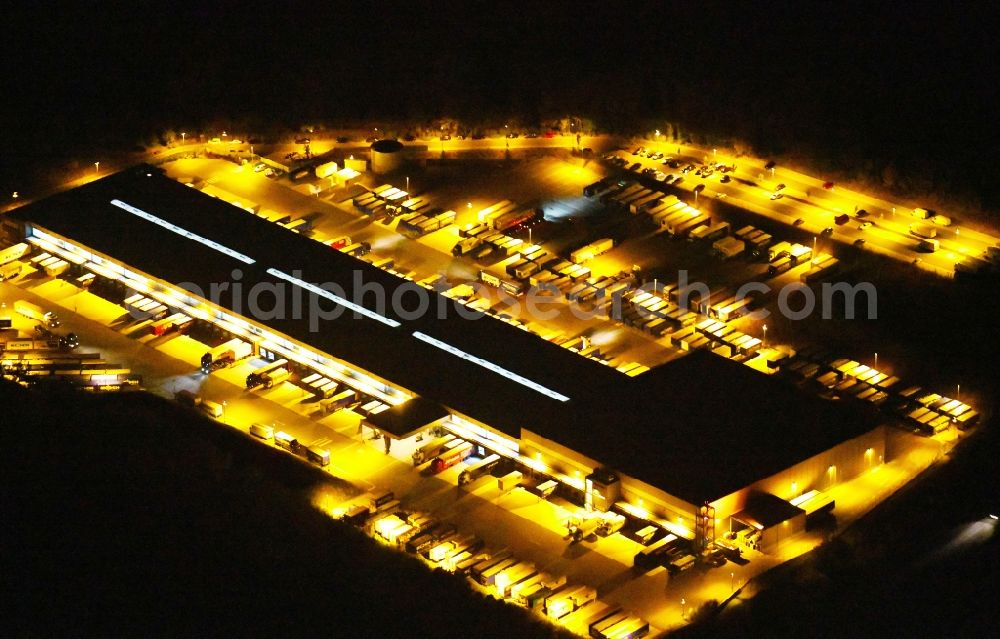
(699, 445)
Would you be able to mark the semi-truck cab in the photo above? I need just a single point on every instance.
(225, 355)
(35, 312)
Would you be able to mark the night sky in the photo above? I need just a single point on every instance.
(852, 86)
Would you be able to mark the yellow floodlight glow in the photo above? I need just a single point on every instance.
(501, 581)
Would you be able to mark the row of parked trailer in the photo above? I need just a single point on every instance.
(932, 413)
(678, 219)
(718, 336)
(507, 215)
(51, 265)
(416, 215)
(925, 412)
(670, 214)
(332, 395)
(83, 370)
(418, 224)
(653, 313)
(142, 307)
(498, 573)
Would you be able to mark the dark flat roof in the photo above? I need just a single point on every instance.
(86, 215)
(766, 510)
(408, 417)
(703, 426)
(698, 427)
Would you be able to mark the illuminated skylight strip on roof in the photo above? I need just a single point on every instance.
(149, 217)
(312, 288)
(499, 370)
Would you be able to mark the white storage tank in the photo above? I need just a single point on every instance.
(387, 156)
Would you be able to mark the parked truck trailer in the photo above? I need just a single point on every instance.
(225, 355)
(592, 250)
(35, 312)
(269, 375)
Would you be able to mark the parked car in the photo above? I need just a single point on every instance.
(343, 139)
(799, 222)
(725, 178)
(828, 186)
(859, 242)
(864, 225)
(777, 196)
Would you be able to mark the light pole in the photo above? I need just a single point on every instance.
(97, 167)
(183, 136)
(765, 335)
(876, 362)
(732, 582)
(814, 250)
(407, 183)
(958, 392)
(529, 236)
(683, 602)
(223, 411)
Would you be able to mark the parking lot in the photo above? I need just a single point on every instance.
(533, 528)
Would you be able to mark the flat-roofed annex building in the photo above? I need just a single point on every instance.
(698, 431)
